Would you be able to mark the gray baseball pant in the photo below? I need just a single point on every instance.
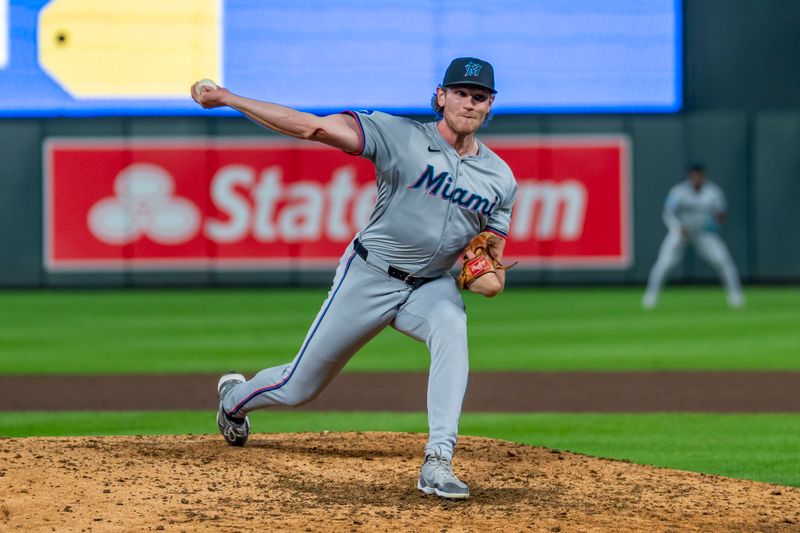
(710, 247)
(363, 300)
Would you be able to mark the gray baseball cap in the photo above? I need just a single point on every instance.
(469, 71)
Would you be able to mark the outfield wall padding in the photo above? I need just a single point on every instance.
(753, 156)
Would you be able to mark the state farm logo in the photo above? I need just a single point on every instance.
(257, 203)
(548, 210)
(196, 203)
(144, 205)
(248, 202)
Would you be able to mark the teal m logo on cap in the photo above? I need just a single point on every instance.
(473, 69)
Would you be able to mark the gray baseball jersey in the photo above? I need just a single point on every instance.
(431, 201)
(694, 210)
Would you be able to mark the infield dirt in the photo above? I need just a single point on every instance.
(359, 482)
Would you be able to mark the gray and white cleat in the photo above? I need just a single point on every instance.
(437, 478)
(235, 430)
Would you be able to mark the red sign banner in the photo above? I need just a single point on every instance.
(243, 203)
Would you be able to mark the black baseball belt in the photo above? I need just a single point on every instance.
(402, 275)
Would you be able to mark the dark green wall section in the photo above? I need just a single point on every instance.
(776, 195)
(742, 54)
(20, 202)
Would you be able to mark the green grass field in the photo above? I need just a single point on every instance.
(184, 331)
(146, 331)
(761, 447)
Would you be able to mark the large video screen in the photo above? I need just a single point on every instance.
(139, 57)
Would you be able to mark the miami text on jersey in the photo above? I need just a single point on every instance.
(440, 184)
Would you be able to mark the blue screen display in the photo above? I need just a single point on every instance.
(139, 57)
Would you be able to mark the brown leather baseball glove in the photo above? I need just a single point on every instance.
(483, 262)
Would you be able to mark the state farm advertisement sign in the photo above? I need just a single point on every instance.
(244, 203)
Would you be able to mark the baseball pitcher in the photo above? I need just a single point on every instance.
(439, 187)
(693, 213)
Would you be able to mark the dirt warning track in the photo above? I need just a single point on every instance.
(487, 392)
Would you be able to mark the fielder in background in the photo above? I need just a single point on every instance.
(439, 187)
(693, 212)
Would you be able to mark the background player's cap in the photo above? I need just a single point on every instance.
(697, 166)
(469, 71)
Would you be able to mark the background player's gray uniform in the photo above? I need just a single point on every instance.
(694, 212)
(431, 201)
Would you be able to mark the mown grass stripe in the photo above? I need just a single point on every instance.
(214, 330)
(761, 447)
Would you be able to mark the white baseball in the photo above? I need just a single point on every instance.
(205, 82)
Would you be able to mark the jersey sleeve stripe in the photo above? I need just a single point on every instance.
(496, 232)
(361, 128)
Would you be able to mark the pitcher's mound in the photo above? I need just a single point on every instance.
(359, 481)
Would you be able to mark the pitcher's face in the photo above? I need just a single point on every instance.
(464, 107)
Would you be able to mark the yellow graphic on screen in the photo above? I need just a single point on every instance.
(131, 48)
